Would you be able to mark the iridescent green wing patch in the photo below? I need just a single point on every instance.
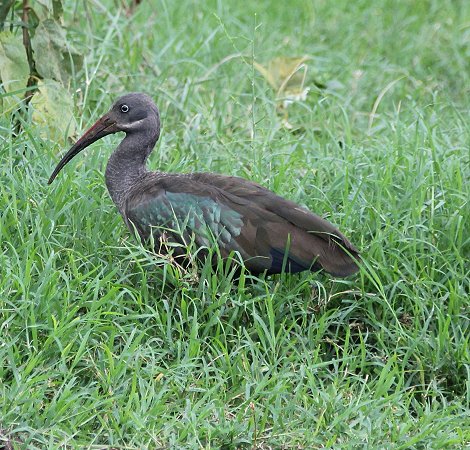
(189, 214)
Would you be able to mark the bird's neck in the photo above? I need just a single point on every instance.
(127, 165)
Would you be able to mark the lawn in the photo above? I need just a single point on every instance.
(103, 345)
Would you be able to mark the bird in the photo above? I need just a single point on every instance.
(271, 234)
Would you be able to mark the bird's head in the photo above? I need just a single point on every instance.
(131, 113)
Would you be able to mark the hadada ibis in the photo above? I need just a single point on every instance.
(270, 233)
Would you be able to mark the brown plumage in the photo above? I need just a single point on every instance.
(270, 233)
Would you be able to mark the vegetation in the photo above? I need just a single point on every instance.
(105, 345)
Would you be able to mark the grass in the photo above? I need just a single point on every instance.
(100, 348)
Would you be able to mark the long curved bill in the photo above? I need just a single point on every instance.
(101, 128)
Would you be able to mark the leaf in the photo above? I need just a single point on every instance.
(42, 8)
(53, 111)
(5, 7)
(57, 8)
(45, 8)
(46, 3)
(286, 75)
(52, 54)
(14, 67)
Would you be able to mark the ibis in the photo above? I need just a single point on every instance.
(270, 233)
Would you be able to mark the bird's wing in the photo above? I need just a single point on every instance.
(179, 209)
(270, 232)
(309, 233)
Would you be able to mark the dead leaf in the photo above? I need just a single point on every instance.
(14, 67)
(53, 56)
(53, 111)
(47, 8)
(286, 75)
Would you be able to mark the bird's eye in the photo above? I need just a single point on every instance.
(124, 108)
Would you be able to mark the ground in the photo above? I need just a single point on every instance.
(105, 345)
